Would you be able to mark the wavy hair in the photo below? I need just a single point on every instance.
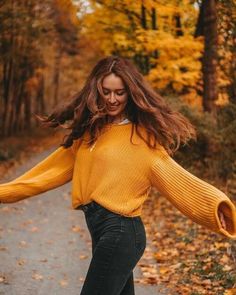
(145, 107)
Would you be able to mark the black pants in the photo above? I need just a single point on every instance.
(118, 243)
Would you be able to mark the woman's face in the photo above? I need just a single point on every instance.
(115, 97)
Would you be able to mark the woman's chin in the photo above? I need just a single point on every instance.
(113, 112)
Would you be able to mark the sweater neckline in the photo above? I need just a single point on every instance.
(119, 125)
(123, 122)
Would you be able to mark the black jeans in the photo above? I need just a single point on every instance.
(118, 243)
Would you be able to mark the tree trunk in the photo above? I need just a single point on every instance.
(155, 53)
(40, 103)
(145, 58)
(18, 109)
(27, 110)
(56, 79)
(232, 86)
(179, 31)
(143, 17)
(207, 27)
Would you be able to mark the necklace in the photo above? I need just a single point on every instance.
(123, 121)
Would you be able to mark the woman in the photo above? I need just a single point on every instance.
(122, 137)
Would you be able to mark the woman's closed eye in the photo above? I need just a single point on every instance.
(120, 93)
(117, 93)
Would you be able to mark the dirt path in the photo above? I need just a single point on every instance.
(45, 247)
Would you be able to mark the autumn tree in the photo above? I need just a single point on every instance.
(27, 29)
(227, 50)
(66, 26)
(20, 32)
(157, 35)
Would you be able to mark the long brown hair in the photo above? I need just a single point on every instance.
(145, 107)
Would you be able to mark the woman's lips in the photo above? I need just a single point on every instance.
(112, 107)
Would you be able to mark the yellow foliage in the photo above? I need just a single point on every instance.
(178, 62)
(192, 98)
(118, 26)
(230, 292)
(68, 11)
(222, 99)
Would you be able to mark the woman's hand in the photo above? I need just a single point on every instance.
(222, 220)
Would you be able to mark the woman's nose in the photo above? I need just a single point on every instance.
(112, 97)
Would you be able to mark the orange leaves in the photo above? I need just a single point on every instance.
(119, 27)
(3, 279)
(224, 259)
(166, 254)
(230, 292)
(21, 262)
(67, 13)
(188, 259)
(179, 60)
(63, 283)
(37, 276)
(150, 274)
(76, 229)
(34, 229)
(161, 256)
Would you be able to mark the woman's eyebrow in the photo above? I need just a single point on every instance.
(115, 89)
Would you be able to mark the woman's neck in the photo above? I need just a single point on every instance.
(117, 120)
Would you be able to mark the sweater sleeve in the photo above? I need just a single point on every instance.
(54, 171)
(195, 198)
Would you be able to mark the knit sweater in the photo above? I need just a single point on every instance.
(118, 174)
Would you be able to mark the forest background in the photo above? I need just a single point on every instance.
(185, 48)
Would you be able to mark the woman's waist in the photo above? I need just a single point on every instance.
(123, 208)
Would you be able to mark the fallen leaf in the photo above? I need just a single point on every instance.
(63, 283)
(23, 243)
(2, 248)
(76, 229)
(43, 260)
(21, 262)
(230, 292)
(227, 268)
(37, 276)
(34, 229)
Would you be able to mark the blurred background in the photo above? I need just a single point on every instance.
(185, 48)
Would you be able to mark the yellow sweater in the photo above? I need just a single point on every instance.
(118, 175)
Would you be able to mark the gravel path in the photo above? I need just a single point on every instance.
(45, 247)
